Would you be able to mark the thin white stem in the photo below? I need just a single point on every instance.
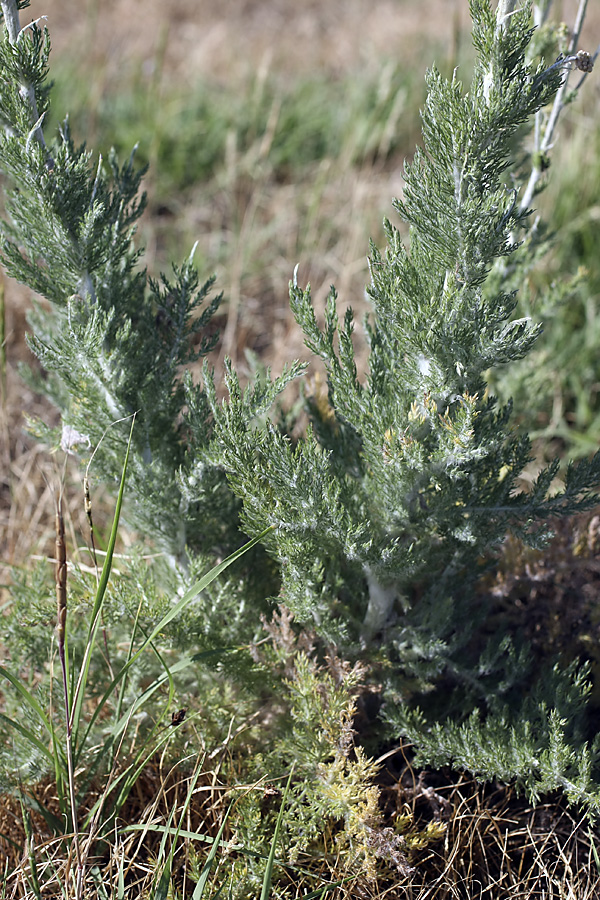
(10, 11)
(505, 9)
(380, 606)
(544, 136)
(578, 26)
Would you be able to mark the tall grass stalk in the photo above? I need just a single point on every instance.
(73, 704)
(61, 601)
(66, 763)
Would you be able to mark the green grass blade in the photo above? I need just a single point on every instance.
(198, 587)
(205, 873)
(594, 849)
(162, 888)
(9, 840)
(28, 697)
(124, 719)
(5, 881)
(29, 735)
(33, 876)
(54, 823)
(56, 756)
(123, 686)
(99, 884)
(121, 883)
(99, 600)
(187, 598)
(266, 887)
(126, 779)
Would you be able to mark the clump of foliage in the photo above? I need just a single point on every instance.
(371, 529)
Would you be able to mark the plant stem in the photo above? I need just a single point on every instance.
(61, 604)
(543, 142)
(505, 9)
(10, 11)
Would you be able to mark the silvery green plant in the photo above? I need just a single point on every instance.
(409, 477)
(405, 484)
(116, 339)
(408, 480)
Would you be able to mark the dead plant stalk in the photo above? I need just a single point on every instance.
(61, 617)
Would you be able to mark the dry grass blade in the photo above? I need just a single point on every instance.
(498, 846)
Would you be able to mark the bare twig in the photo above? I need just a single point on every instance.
(544, 132)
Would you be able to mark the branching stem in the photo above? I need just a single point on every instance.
(544, 135)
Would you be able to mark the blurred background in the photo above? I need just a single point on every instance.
(275, 133)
